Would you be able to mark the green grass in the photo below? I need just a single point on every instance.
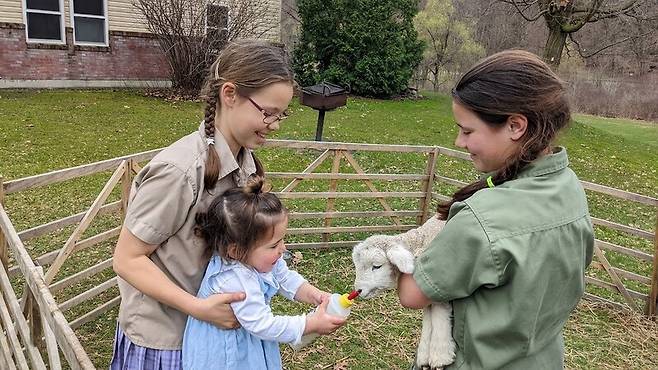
(42, 131)
(634, 130)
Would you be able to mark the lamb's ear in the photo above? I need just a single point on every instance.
(401, 257)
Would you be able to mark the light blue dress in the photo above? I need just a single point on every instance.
(255, 345)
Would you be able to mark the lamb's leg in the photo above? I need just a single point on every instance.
(423, 355)
(441, 345)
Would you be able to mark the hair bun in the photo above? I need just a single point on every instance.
(257, 185)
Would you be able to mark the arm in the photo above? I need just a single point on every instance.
(410, 294)
(294, 286)
(131, 262)
(256, 316)
(308, 293)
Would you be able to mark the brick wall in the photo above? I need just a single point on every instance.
(130, 56)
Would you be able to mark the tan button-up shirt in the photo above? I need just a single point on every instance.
(165, 198)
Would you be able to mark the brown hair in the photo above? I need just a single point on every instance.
(507, 83)
(250, 65)
(239, 217)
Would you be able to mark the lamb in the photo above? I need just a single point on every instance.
(378, 261)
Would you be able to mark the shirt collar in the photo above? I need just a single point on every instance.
(244, 163)
(549, 163)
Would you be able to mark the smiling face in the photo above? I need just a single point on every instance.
(489, 146)
(267, 251)
(241, 123)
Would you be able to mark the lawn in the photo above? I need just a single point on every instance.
(42, 131)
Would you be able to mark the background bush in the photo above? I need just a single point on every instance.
(369, 45)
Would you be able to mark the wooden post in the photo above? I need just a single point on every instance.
(126, 183)
(350, 159)
(34, 320)
(653, 295)
(333, 185)
(4, 251)
(427, 186)
(50, 340)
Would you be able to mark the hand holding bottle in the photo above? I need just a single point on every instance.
(320, 321)
(327, 317)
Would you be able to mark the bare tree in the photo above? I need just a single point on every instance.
(192, 32)
(566, 17)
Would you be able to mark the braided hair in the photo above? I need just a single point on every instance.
(250, 65)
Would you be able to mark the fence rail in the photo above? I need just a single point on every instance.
(35, 323)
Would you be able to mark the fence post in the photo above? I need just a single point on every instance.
(427, 186)
(333, 186)
(653, 295)
(50, 340)
(4, 251)
(126, 183)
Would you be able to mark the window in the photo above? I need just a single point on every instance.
(216, 26)
(89, 22)
(44, 21)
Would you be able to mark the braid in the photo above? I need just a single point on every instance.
(250, 65)
(212, 163)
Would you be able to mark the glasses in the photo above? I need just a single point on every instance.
(269, 118)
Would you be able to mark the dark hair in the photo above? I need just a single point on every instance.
(250, 65)
(241, 217)
(507, 83)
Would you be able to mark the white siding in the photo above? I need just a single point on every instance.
(123, 16)
(269, 28)
(271, 25)
(11, 11)
(67, 13)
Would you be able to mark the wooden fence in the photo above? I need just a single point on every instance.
(35, 324)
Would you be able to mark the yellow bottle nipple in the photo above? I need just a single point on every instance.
(344, 301)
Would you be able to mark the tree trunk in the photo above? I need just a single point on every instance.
(554, 45)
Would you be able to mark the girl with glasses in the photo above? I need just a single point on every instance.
(158, 258)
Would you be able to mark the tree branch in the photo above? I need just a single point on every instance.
(526, 5)
(578, 48)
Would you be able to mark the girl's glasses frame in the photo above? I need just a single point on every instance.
(268, 118)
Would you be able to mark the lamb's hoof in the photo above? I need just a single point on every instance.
(428, 367)
(443, 359)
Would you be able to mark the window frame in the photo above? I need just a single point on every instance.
(228, 19)
(105, 22)
(62, 32)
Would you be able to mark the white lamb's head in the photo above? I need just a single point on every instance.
(378, 261)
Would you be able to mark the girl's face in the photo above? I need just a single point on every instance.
(264, 256)
(489, 146)
(243, 124)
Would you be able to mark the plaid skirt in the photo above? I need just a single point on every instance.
(129, 356)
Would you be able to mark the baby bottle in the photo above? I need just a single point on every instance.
(339, 305)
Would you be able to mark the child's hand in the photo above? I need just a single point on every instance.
(321, 322)
(308, 293)
(317, 296)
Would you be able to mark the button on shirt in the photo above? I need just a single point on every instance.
(165, 198)
(512, 261)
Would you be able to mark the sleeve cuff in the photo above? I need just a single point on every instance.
(289, 290)
(144, 232)
(300, 333)
(431, 290)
